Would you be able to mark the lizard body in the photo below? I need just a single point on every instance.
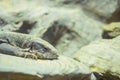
(18, 42)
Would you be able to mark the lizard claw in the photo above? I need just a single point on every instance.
(37, 54)
(27, 55)
(33, 56)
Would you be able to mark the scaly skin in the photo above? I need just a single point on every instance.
(25, 45)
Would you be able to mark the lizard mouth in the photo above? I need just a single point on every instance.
(50, 56)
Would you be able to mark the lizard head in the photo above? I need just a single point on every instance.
(45, 50)
(112, 30)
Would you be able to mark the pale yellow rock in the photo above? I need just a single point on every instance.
(62, 66)
(113, 29)
(101, 56)
(112, 26)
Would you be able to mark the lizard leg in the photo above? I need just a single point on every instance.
(42, 51)
(27, 55)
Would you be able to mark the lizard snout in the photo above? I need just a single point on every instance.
(51, 56)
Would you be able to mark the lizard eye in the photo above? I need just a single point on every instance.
(38, 47)
(43, 50)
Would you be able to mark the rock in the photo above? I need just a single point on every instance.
(101, 9)
(111, 30)
(16, 68)
(101, 56)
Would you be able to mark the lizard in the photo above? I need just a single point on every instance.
(26, 45)
(112, 30)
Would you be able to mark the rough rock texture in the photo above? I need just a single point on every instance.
(101, 56)
(102, 9)
(41, 68)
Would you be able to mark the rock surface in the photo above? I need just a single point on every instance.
(40, 68)
(101, 56)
